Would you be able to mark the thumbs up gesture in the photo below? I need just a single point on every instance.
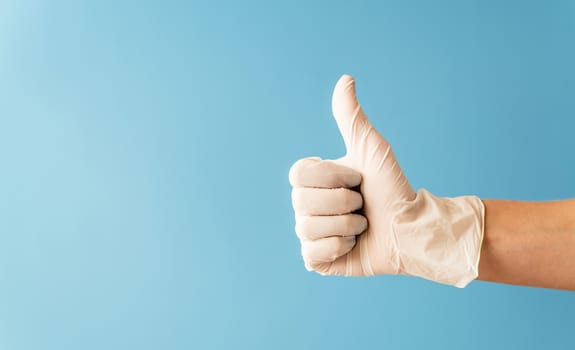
(359, 216)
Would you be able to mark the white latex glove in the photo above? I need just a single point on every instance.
(359, 216)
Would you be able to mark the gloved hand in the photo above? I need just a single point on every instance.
(359, 216)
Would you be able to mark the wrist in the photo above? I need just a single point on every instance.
(440, 238)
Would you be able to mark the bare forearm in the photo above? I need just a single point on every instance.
(529, 243)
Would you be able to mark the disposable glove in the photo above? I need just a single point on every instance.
(359, 216)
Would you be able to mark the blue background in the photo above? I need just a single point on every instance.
(145, 146)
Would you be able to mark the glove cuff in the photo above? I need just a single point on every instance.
(440, 238)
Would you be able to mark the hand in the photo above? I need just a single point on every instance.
(359, 216)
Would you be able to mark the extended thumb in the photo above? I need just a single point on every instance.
(351, 121)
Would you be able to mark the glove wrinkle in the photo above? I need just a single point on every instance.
(404, 232)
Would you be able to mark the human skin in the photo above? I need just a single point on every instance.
(447, 240)
(529, 243)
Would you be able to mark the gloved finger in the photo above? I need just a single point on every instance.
(359, 135)
(354, 263)
(326, 249)
(337, 267)
(316, 227)
(323, 201)
(314, 172)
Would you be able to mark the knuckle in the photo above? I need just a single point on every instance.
(297, 170)
(294, 172)
(302, 226)
(297, 198)
(306, 254)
